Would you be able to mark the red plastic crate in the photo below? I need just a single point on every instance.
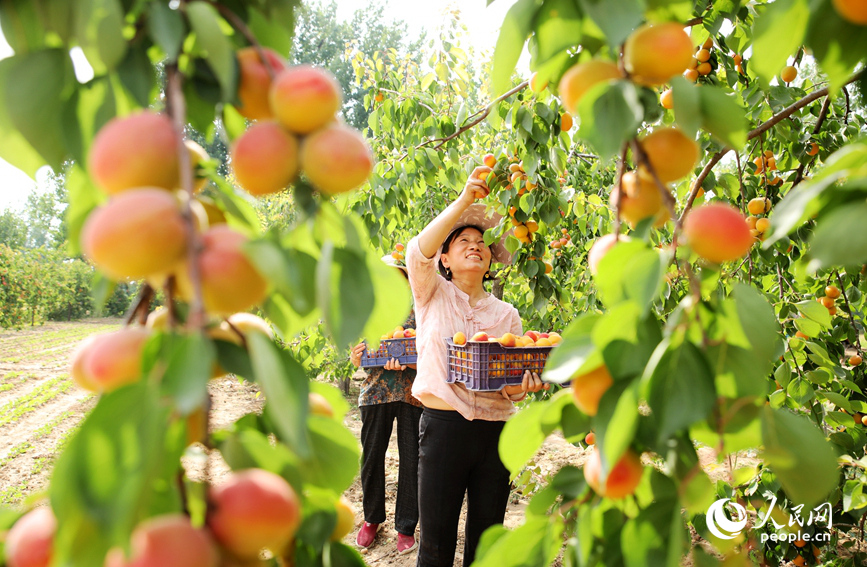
(401, 349)
(487, 367)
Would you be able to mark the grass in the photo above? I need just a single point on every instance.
(45, 392)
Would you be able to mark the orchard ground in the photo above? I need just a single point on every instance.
(40, 407)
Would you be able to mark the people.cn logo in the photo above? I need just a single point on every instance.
(718, 523)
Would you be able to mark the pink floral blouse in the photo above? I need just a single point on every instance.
(442, 310)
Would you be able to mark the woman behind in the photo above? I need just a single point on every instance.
(459, 429)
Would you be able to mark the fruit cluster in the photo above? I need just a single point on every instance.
(398, 333)
(829, 300)
(397, 253)
(530, 339)
(758, 226)
(701, 64)
(765, 164)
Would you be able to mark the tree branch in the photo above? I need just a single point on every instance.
(239, 25)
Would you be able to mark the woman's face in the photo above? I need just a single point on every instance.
(468, 253)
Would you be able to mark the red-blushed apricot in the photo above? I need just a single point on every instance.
(30, 541)
(588, 388)
(670, 152)
(336, 159)
(139, 150)
(600, 248)
(855, 11)
(654, 53)
(623, 478)
(345, 519)
(319, 405)
(253, 509)
(582, 77)
(639, 198)
(76, 365)
(115, 359)
(304, 98)
(717, 232)
(243, 323)
(490, 160)
(230, 282)
(166, 541)
(254, 83)
(136, 234)
(265, 159)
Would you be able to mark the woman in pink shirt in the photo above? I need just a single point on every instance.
(459, 429)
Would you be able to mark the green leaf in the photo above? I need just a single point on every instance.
(853, 495)
(13, 147)
(136, 74)
(617, 420)
(575, 353)
(616, 18)
(610, 114)
(722, 116)
(815, 311)
(687, 106)
(334, 458)
(219, 53)
(83, 198)
(42, 84)
(249, 448)
(631, 271)
(777, 34)
(22, 26)
(797, 452)
(188, 371)
(289, 270)
(514, 32)
(536, 542)
(350, 301)
(522, 436)
(337, 554)
(273, 34)
(284, 384)
(837, 44)
(656, 536)
(99, 30)
(167, 28)
(558, 27)
(759, 324)
(839, 238)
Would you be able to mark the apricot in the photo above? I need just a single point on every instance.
(588, 388)
(814, 149)
(254, 83)
(243, 323)
(623, 478)
(702, 55)
(114, 359)
(704, 69)
(336, 159)
(76, 365)
(717, 232)
(319, 405)
(854, 11)
(139, 150)
(548, 268)
(230, 282)
(654, 53)
(345, 519)
(828, 302)
(304, 98)
(265, 159)
(214, 213)
(666, 99)
(30, 541)
(537, 84)
(762, 225)
(582, 77)
(600, 248)
(759, 205)
(489, 160)
(788, 74)
(566, 122)
(197, 156)
(640, 198)
(459, 338)
(691, 75)
(832, 291)
(590, 439)
(855, 360)
(253, 509)
(671, 154)
(166, 541)
(136, 234)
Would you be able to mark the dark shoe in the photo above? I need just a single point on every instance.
(405, 543)
(367, 534)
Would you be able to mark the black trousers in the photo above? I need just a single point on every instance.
(458, 456)
(376, 425)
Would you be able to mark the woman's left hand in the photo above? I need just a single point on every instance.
(393, 364)
(531, 383)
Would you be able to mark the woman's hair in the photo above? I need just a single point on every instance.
(447, 274)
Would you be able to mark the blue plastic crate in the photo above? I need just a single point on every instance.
(401, 349)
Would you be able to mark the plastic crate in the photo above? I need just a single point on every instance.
(487, 367)
(401, 349)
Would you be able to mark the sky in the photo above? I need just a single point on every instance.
(483, 22)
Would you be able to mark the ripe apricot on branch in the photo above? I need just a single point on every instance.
(490, 160)
(345, 519)
(30, 541)
(304, 98)
(855, 11)
(788, 74)
(588, 388)
(136, 234)
(832, 291)
(253, 509)
(666, 99)
(582, 77)
(654, 53)
(670, 152)
(717, 232)
(640, 198)
(166, 541)
(138, 150)
(336, 159)
(566, 122)
(855, 360)
(814, 149)
(319, 405)
(230, 283)
(265, 159)
(622, 479)
(759, 205)
(537, 85)
(114, 359)
(255, 82)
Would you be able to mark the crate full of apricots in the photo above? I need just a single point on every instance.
(486, 364)
(399, 344)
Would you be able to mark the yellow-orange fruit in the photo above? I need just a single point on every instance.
(230, 282)
(254, 83)
(708, 43)
(136, 234)
(76, 365)
(566, 122)
(197, 156)
(459, 338)
(751, 222)
(265, 159)
(548, 268)
(587, 388)
(737, 58)
(490, 160)
(590, 439)
(717, 232)
(670, 152)
(666, 99)
(788, 74)
(304, 98)
(582, 77)
(319, 405)
(166, 541)
(253, 509)
(114, 359)
(30, 542)
(537, 85)
(336, 159)
(814, 149)
(243, 323)
(600, 248)
(702, 55)
(828, 302)
(704, 69)
(762, 225)
(138, 150)
(640, 198)
(691, 75)
(623, 477)
(832, 291)
(345, 519)
(654, 53)
(759, 205)
(855, 11)
(855, 360)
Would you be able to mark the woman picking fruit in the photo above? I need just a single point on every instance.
(385, 396)
(460, 429)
